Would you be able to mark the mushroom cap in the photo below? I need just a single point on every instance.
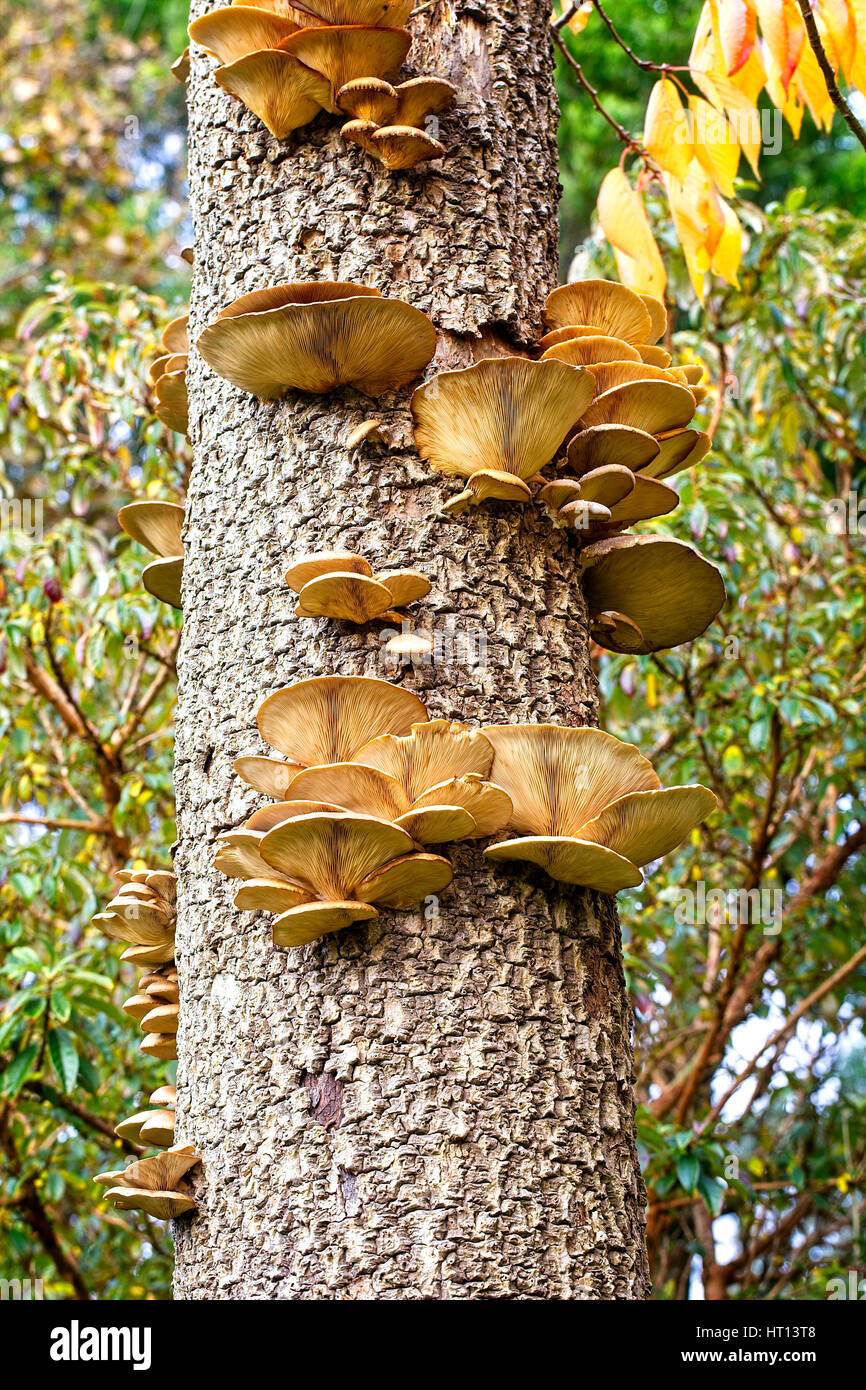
(270, 776)
(238, 856)
(157, 368)
(404, 146)
(658, 316)
(333, 854)
(592, 348)
(368, 99)
(175, 336)
(583, 515)
(616, 632)
(693, 372)
(570, 860)
(329, 718)
(160, 1172)
(345, 52)
(677, 451)
(276, 87)
(405, 586)
(664, 586)
(603, 444)
(155, 525)
(296, 292)
(559, 778)
(137, 1005)
(163, 1046)
(158, 954)
(351, 787)
(164, 991)
(409, 644)
(300, 925)
(421, 97)
(360, 132)
(429, 754)
(158, 1129)
(653, 406)
(351, 597)
(646, 825)
(610, 374)
(162, 1019)
(568, 334)
(434, 825)
(180, 67)
(655, 356)
(504, 414)
(164, 1096)
(362, 340)
(608, 485)
(129, 1128)
(369, 431)
(269, 895)
(269, 816)
(234, 31)
(486, 485)
(405, 881)
(172, 401)
(489, 806)
(648, 498)
(163, 578)
(612, 307)
(557, 493)
(164, 1206)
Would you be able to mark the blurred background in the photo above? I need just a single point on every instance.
(754, 1159)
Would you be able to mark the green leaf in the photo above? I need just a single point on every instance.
(17, 1072)
(64, 1057)
(688, 1170)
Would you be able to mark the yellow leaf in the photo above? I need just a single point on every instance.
(716, 146)
(837, 26)
(667, 133)
(579, 21)
(626, 226)
(652, 698)
(812, 90)
(698, 220)
(729, 251)
(784, 35)
(857, 75)
(735, 29)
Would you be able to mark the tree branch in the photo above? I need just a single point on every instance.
(829, 75)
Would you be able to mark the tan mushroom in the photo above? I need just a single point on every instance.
(162, 1046)
(612, 308)
(172, 401)
(403, 146)
(343, 586)
(655, 356)
(180, 67)
(421, 97)
(369, 100)
(658, 317)
(157, 526)
(587, 807)
(360, 133)
(679, 450)
(148, 1127)
(591, 348)
(370, 12)
(653, 406)
(283, 92)
(503, 418)
(663, 586)
(157, 1185)
(234, 31)
(143, 911)
(601, 445)
(329, 718)
(346, 52)
(316, 338)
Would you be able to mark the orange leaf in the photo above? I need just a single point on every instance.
(736, 30)
(838, 29)
(729, 251)
(579, 21)
(784, 36)
(626, 226)
(716, 145)
(667, 134)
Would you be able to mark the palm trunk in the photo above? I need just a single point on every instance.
(439, 1105)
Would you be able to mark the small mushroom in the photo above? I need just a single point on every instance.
(283, 92)
(601, 445)
(345, 52)
(162, 1046)
(655, 356)
(421, 97)
(157, 526)
(403, 146)
(369, 100)
(504, 418)
(360, 133)
(157, 1185)
(180, 67)
(662, 585)
(316, 338)
(343, 586)
(172, 401)
(679, 450)
(153, 1127)
(591, 348)
(654, 406)
(142, 912)
(658, 317)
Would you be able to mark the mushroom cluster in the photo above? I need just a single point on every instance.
(158, 1185)
(288, 62)
(365, 782)
(157, 526)
(317, 337)
(338, 584)
(152, 1128)
(166, 376)
(587, 808)
(155, 1006)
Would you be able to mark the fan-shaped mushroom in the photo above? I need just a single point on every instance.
(157, 526)
(662, 585)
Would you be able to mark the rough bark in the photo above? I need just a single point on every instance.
(435, 1106)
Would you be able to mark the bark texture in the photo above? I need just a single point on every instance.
(438, 1105)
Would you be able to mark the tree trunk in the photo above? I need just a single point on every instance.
(438, 1105)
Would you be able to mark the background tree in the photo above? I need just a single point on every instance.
(762, 1200)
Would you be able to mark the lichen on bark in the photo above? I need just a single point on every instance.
(438, 1105)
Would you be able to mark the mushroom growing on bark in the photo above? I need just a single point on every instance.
(317, 337)
(587, 808)
(157, 1185)
(143, 910)
(343, 586)
(158, 526)
(498, 423)
(666, 592)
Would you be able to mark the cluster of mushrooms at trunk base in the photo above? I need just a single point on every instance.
(367, 782)
(142, 914)
(288, 63)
